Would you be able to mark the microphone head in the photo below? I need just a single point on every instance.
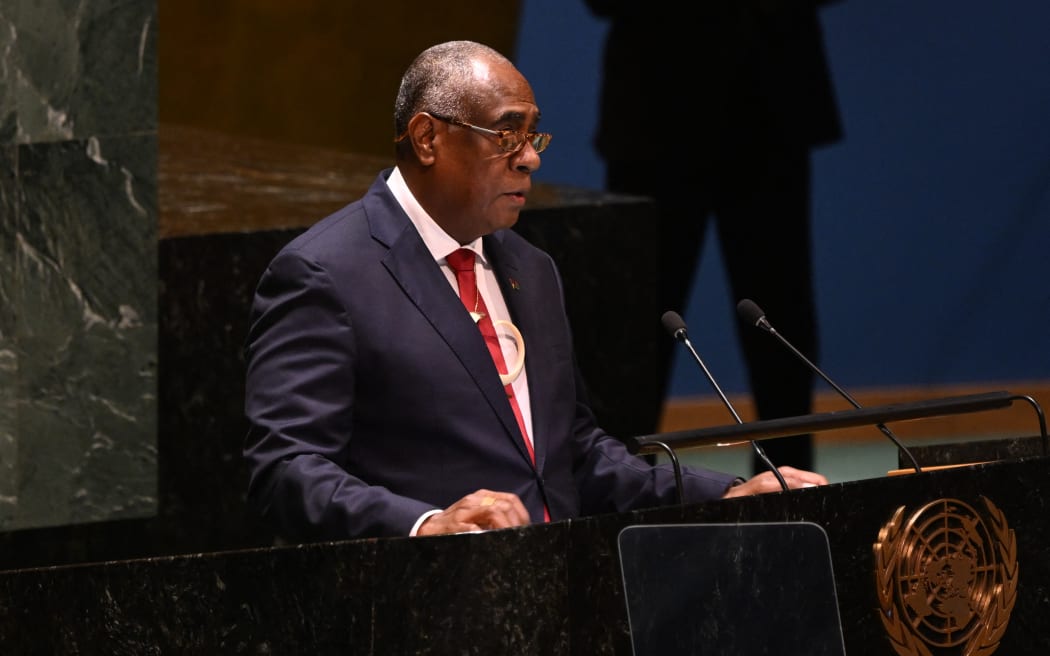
(749, 312)
(674, 324)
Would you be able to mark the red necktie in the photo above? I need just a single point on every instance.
(462, 262)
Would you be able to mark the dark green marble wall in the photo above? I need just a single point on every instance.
(78, 261)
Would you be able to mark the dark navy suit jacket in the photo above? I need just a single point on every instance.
(372, 398)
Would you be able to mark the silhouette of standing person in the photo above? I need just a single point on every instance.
(715, 119)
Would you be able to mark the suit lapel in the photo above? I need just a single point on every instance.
(412, 265)
(523, 301)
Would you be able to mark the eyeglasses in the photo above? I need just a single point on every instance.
(509, 141)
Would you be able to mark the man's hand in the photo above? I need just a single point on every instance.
(767, 482)
(480, 511)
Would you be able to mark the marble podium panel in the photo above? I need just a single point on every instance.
(554, 589)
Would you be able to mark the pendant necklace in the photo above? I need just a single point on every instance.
(475, 315)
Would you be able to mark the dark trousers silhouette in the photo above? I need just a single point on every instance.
(758, 199)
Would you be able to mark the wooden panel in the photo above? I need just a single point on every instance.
(311, 71)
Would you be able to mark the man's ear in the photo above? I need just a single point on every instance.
(421, 132)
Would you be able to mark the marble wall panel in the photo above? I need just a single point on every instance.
(76, 69)
(8, 356)
(85, 331)
(78, 261)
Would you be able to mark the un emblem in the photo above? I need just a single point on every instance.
(946, 578)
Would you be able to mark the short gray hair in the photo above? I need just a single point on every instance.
(441, 79)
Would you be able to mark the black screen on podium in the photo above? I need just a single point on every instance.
(755, 588)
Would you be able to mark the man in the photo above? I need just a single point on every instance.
(376, 406)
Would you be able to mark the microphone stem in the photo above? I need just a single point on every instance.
(677, 466)
(759, 451)
(882, 427)
(812, 366)
(711, 379)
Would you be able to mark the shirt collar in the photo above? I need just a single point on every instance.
(437, 241)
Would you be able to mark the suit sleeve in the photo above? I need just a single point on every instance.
(612, 480)
(299, 400)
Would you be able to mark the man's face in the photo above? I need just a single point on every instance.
(483, 187)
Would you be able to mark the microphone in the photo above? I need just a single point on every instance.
(750, 313)
(675, 325)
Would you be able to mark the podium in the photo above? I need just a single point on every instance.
(548, 589)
